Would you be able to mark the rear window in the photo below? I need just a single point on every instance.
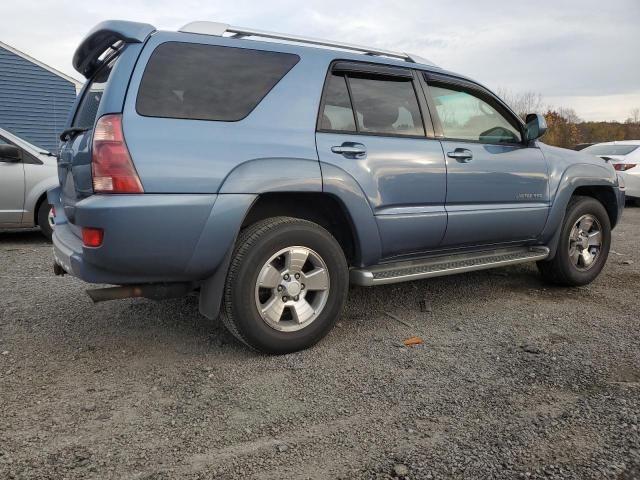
(610, 149)
(88, 109)
(206, 82)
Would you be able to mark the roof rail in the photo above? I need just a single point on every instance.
(219, 29)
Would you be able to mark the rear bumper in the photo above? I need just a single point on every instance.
(147, 239)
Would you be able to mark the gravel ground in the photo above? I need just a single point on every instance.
(515, 379)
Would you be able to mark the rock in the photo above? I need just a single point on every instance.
(425, 305)
(6, 352)
(400, 470)
(627, 262)
(282, 447)
(531, 349)
(89, 407)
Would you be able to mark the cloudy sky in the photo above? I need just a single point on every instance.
(580, 54)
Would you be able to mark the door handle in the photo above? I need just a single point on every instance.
(350, 150)
(462, 155)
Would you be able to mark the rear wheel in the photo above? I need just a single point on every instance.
(286, 286)
(583, 247)
(45, 219)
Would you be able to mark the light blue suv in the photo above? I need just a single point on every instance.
(268, 175)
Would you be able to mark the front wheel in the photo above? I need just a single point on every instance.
(583, 247)
(286, 286)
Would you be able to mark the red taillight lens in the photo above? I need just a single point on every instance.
(621, 167)
(111, 166)
(92, 237)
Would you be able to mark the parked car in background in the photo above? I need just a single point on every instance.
(26, 173)
(625, 158)
(267, 176)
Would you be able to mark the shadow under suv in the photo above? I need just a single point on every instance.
(268, 175)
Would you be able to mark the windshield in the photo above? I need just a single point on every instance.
(610, 149)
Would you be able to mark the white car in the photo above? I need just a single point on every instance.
(26, 173)
(625, 158)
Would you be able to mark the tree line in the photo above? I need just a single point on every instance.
(565, 128)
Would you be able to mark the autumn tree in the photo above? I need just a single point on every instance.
(522, 103)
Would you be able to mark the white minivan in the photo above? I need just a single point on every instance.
(26, 173)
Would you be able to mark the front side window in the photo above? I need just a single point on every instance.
(382, 105)
(207, 82)
(465, 116)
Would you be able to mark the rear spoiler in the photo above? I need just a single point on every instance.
(102, 37)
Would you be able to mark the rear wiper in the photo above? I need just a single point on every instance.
(69, 133)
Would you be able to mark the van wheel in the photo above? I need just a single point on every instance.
(583, 247)
(286, 286)
(45, 219)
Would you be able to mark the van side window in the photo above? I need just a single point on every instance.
(465, 116)
(208, 82)
(337, 114)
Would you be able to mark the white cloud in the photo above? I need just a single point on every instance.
(580, 52)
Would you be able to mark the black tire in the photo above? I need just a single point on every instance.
(560, 270)
(255, 246)
(43, 219)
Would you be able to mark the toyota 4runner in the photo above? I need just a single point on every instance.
(267, 172)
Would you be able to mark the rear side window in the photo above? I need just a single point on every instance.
(382, 105)
(337, 114)
(386, 106)
(88, 109)
(206, 82)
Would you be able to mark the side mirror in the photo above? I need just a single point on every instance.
(536, 126)
(10, 153)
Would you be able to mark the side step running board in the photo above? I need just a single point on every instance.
(444, 265)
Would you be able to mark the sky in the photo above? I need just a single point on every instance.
(580, 54)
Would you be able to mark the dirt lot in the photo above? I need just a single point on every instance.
(515, 380)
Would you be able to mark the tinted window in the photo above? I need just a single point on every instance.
(88, 108)
(610, 149)
(205, 82)
(465, 116)
(386, 106)
(337, 113)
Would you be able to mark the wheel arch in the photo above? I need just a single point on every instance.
(601, 188)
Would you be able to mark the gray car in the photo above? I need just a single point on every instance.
(266, 176)
(26, 173)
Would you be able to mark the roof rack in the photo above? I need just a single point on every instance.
(219, 29)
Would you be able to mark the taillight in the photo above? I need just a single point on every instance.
(92, 237)
(621, 167)
(111, 166)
